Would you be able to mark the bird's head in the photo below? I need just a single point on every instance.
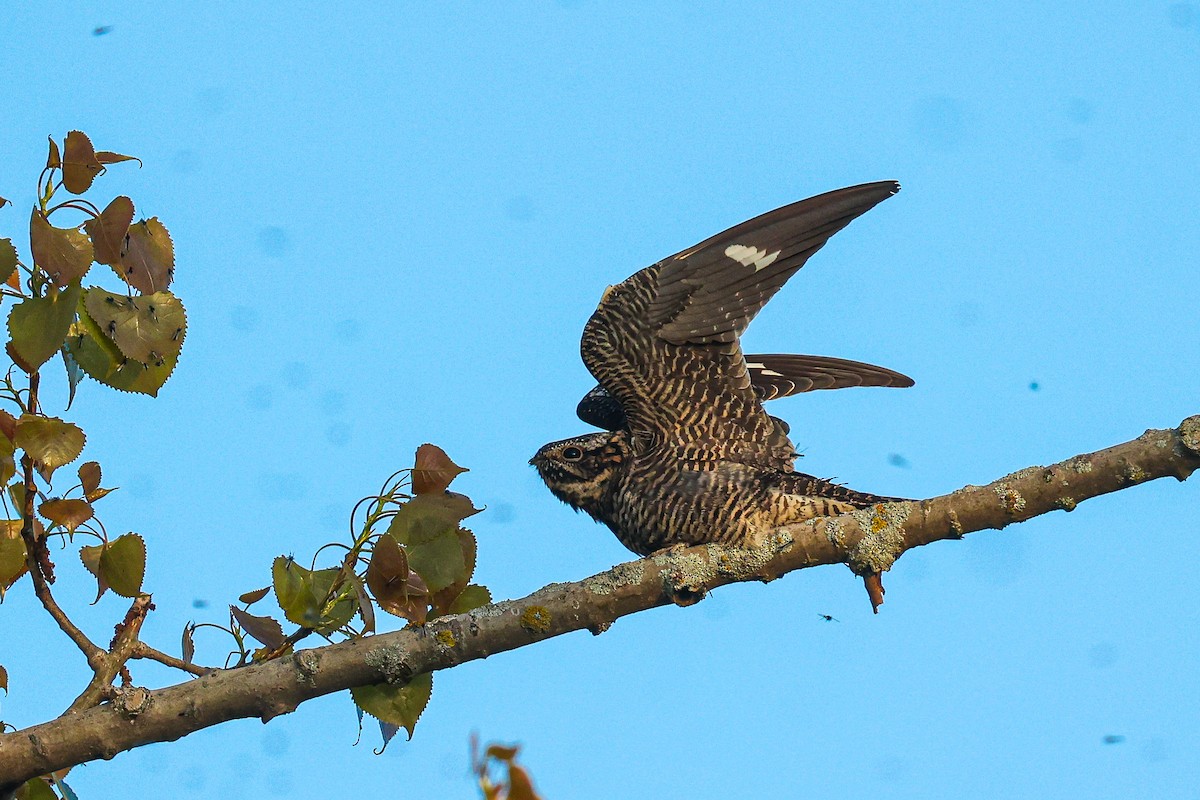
(579, 470)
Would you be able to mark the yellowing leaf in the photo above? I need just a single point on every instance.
(8, 259)
(49, 441)
(123, 564)
(433, 470)
(36, 789)
(37, 326)
(69, 513)
(108, 230)
(398, 705)
(264, 629)
(64, 253)
(90, 556)
(12, 554)
(148, 329)
(79, 164)
(89, 477)
(100, 358)
(53, 159)
(148, 260)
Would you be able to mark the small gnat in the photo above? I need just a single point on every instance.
(751, 256)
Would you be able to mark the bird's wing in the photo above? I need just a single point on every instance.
(664, 342)
(771, 376)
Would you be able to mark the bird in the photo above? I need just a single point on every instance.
(687, 454)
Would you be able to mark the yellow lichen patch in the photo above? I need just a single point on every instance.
(878, 523)
(446, 638)
(536, 619)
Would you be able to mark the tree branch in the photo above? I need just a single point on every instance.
(869, 541)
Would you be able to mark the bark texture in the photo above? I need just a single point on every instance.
(869, 541)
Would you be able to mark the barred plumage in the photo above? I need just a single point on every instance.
(690, 456)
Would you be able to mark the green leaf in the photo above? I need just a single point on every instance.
(148, 260)
(38, 325)
(108, 230)
(12, 554)
(8, 259)
(70, 513)
(433, 470)
(75, 374)
(90, 556)
(36, 789)
(427, 516)
(304, 596)
(65, 254)
(439, 560)
(79, 164)
(49, 441)
(147, 329)
(398, 705)
(472, 597)
(16, 493)
(100, 358)
(265, 629)
(123, 564)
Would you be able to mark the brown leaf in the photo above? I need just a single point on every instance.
(502, 752)
(79, 164)
(148, 260)
(64, 253)
(387, 576)
(8, 425)
(433, 470)
(14, 281)
(188, 643)
(366, 609)
(4, 201)
(520, 786)
(89, 476)
(109, 157)
(53, 160)
(108, 230)
(250, 598)
(70, 513)
(874, 584)
(265, 629)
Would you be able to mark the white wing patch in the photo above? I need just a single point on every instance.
(751, 256)
(762, 369)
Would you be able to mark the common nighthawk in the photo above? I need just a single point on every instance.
(689, 455)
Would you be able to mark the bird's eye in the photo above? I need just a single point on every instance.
(572, 453)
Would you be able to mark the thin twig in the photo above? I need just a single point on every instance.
(143, 650)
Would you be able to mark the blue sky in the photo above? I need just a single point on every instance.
(391, 223)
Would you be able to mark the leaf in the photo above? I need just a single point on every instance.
(109, 157)
(12, 554)
(397, 705)
(433, 470)
(148, 260)
(90, 556)
(187, 644)
(123, 564)
(49, 441)
(387, 576)
(8, 426)
(428, 515)
(444, 598)
(4, 201)
(100, 358)
(428, 526)
(75, 374)
(108, 230)
(304, 596)
(472, 597)
(148, 329)
(520, 787)
(366, 608)
(250, 598)
(65, 254)
(36, 789)
(439, 561)
(264, 629)
(89, 478)
(69, 513)
(53, 159)
(4, 679)
(79, 164)
(38, 325)
(8, 258)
